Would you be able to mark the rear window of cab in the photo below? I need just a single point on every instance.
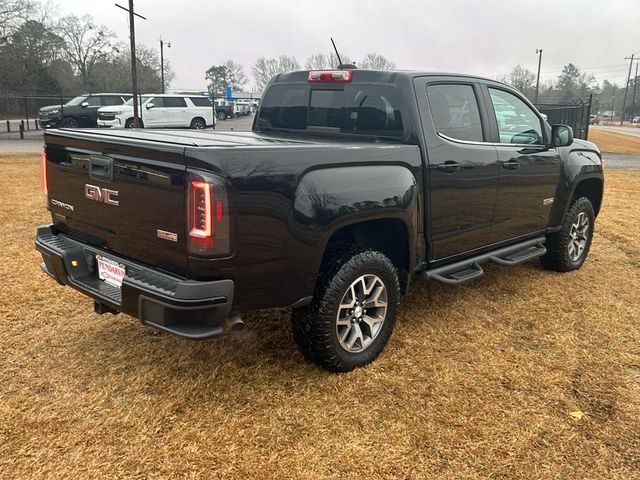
(353, 108)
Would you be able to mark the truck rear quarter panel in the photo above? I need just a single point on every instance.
(288, 201)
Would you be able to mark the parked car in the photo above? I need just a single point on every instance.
(250, 102)
(81, 111)
(635, 120)
(241, 109)
(224, 110)
(161, 111)
(351, 185)
(594, 119)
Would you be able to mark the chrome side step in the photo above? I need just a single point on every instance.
(470, 269)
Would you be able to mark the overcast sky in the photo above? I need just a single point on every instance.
(485, 37)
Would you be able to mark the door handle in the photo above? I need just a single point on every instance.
(101, 168)
(511, 164)
(449, 166)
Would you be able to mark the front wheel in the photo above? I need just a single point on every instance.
(568, 248)
(221, 116)
(353, 312)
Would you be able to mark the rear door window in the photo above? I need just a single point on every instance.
(111, 100)
(174, 102)
(455, 111)
(94, 101)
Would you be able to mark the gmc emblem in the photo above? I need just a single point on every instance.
(103, 195)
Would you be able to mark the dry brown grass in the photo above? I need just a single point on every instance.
(613, 142)
(477, 381)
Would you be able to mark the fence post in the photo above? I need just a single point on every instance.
(26, 110)
(21, 129)
(35, 121)
(8, 126)
(586, 131)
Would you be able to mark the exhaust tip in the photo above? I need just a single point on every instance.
(234, 324)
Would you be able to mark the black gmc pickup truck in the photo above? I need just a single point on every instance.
(351, 184)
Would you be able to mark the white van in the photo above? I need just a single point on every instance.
(161, 111)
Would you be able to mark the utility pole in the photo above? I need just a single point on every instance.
(539, 52)
(134, 72)
(626, 88)
(162, 60)
(635, 89)
(613, 103)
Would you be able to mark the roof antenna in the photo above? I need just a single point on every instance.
(342, 66)
(337, 54)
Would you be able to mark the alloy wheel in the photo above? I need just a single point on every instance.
(578, 236)
(361, 313)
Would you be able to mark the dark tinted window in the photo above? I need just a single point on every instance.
(517, 122)
(174, 102)
(94, 101)
(158, 102)
(361, 109)
(325, 108)
(200, 101)
(455, 112)
(112, 100)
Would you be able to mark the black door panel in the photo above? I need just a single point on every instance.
(529, 172)
(462, 166)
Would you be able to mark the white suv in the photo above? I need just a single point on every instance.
(161, 111)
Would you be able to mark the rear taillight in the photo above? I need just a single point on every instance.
(43, 177)
(208, 215)
(330, 76)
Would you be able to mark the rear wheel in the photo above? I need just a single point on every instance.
(568, 248)
(198, 123)
(353, 313)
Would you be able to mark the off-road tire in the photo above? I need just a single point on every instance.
(314, 326)
(557, 257)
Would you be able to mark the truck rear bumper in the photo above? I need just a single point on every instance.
(187, 308)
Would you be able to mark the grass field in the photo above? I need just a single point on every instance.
(477, 381)
(613, 142)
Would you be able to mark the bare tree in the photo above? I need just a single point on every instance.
(521, 79)
(235, 75)
(266, 68)
(375, 61)
(87, 43)
(318, 61)
(12, 14)
(287, 64)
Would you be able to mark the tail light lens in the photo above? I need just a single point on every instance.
(208, 222)
(43, 178)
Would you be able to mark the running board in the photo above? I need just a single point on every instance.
(470, 269)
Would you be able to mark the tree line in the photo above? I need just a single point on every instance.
(44, 53)
(232, 73)
(574, 83)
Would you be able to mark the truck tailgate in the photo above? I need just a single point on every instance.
(127, 196)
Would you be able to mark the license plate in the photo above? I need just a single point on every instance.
(110, 271)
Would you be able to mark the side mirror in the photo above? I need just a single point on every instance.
(84, 104)
(150, 105)
(561, 135)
